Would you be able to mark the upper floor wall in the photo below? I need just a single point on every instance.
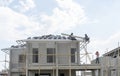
(51, 53)
(45, 53)
(17, 58)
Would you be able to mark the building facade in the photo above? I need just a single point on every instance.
(56, 55)
(47, 55)
(110, 63)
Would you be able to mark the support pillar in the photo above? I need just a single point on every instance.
(93, 72)
(109, 72)
(99, 72)
(56, 71)
(69, 72)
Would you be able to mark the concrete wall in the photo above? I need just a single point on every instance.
(14, 58)
(65, 72)
(15, 74)
(109, 65)
(63, 50)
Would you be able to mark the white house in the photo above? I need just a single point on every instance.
(56, 55)
(47, 55)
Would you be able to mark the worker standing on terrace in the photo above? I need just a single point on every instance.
(97, 57)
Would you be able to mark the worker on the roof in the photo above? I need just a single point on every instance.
(72, 37)
(97, 57)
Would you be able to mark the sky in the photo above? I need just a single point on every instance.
(20, 19)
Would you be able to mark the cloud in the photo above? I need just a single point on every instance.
(104, 45)
(26, 5)
(5, 2)
(16, 25)
(66, 16)
(21, 5)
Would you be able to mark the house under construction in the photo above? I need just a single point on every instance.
(57, 55)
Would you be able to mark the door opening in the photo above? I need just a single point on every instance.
(62, 74)
(42, 74)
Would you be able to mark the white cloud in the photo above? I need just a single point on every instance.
(5, 2)
(66, 16)
(104, 45)
(15, 25)
(26, 5)
(22, 6)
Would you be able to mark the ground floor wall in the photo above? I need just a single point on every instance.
(67, 72)
(46, 73)
(106, 72)
(17, 74)
(51, 73)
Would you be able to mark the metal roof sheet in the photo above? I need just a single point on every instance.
(60, 37)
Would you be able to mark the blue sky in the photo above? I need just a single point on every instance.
(99, 19)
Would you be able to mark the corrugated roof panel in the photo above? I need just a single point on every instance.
(51, 37)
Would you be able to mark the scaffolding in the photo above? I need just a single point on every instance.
(4, 72)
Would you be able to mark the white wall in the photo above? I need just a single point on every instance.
(14, 57)
(65, 72)
(63, 53)
(62, 48)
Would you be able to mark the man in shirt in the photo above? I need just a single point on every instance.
(97, 57)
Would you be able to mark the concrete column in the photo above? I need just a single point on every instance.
(93, 72)
(117, 72)
(28, 73)
(57, 72)
(109, 72)
(78, 55)
(27, 58)
(26, 65)
(99, 72)
(69, 72)
(56, 58)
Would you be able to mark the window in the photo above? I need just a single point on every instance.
(50, 55)
(22, 58)
(35, 55)
(73, 51)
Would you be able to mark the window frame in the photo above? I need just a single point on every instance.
(51, 55)
(22, 58)
(35, 56)
(73, 52)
